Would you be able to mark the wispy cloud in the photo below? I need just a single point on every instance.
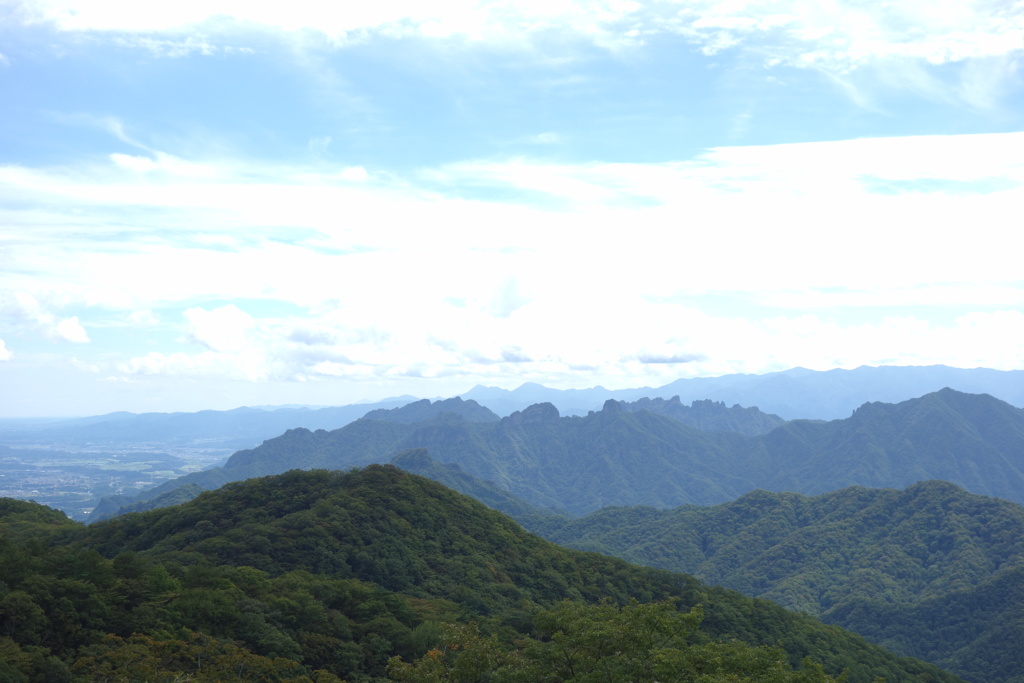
(837, 35)
(170, 48)
(648, 358)
(968, 53)
(790, 169)
(356, 256)
(25, 312)
(292, 221)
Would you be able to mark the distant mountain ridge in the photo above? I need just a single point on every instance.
(237, 428)
(708, 415)
(622, 457)
(798, 393)
(423, 410)
(792, 394)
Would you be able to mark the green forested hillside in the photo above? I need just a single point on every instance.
(320, 575)
(931, 571)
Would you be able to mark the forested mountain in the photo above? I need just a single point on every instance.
(576, 464)
(312, 576)
(708, 415)
(930, 571)
(974, 441)
(793, 394)
(532, 518)
(621, 457)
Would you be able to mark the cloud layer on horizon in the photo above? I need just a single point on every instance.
(472, 192)
(387, 277)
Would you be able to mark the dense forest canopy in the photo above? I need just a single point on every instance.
(369, 574)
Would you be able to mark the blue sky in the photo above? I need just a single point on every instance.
(219, 203)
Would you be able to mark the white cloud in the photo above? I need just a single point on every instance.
(132, 162)
(354, 173)
(624, 270)
(837, 36)
(790, 169)
(205, 365)
(223, 329)
(938, 294)
(5, 353)
(70, 329)
(144, 318)
(472, 19)
(281, 232)
(28, 313)
(622, 349)
(864, 48)
(173, 48)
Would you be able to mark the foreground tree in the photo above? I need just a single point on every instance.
(603, 643)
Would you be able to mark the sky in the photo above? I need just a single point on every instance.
(222, 203)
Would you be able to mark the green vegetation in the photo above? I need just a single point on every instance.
(321, 576)
(604, 643)
(931, 571)
(536, 466)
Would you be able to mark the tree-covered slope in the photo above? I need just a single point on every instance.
(315, 575)
(972, 440)
(917, 570)
(418, 461)
(610, 457)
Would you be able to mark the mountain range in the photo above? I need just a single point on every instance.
(889, 564)
(735, 496)
(792, 394)
(620, 456)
